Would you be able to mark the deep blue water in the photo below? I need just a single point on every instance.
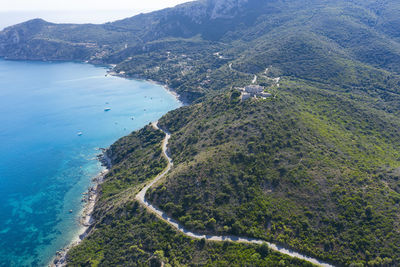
(44, 165)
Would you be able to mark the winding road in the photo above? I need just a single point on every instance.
(163, 216)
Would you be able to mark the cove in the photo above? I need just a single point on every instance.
(45, 164)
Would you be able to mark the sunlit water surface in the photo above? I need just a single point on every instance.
(45, 165)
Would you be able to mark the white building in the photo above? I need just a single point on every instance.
(253, 91)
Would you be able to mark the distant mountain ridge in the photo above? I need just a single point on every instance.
(315, 167)
(24, 41)
(213, 20)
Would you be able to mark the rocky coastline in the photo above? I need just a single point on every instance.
(86, 219)
(90, 197)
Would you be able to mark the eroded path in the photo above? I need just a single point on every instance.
(163, 216)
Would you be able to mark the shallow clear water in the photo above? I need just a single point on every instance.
(45, 166)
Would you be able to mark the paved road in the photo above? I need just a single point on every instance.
(163, 216)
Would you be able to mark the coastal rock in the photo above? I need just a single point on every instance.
(86, 219)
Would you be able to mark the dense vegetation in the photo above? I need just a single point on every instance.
(348, 43)
(312, 169)
(125, 234)
(133, 237)
(135, 159)
(316, 167)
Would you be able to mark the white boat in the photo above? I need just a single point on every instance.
(107, 109)
(80, 134)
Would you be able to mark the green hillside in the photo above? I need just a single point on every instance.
(315, 167)
(125, 234)
(312, 169)
(325, 41)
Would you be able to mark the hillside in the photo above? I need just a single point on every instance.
(125, 234)
(190, 47)
(311, 169)
(315, 167)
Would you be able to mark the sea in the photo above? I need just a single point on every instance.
(52, 124)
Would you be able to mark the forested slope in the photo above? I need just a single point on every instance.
(315, 167)
(125, 234)
(312, 169)
(190, 47)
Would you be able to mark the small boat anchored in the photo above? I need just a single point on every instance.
(80, 133)
(107, 109)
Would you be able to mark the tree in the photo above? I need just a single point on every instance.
(368, 212)
(211, 223)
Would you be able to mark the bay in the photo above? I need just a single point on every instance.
(45, 165)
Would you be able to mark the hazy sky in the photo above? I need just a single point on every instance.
(76, 11)
(31, 5)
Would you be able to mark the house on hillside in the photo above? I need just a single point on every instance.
(253, 91)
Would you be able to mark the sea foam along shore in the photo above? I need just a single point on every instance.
(86, 219)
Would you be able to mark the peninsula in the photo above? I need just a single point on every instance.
(289, 140)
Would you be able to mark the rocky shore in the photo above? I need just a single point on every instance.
(86, 220)
(90, 197)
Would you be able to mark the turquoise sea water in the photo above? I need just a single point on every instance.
(44, 165)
